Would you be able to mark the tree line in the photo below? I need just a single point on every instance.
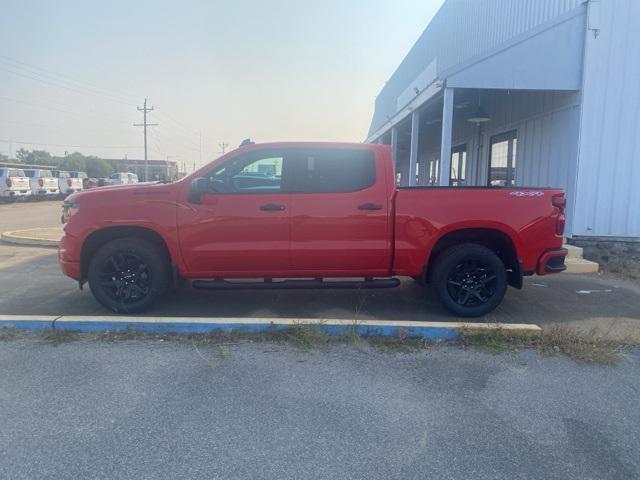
(94, 166)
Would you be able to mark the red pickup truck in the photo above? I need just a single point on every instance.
(309, 215)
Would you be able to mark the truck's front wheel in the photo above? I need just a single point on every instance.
(470, 280)
(128, 275)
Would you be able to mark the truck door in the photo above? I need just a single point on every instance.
(240, 228)
(339, 213)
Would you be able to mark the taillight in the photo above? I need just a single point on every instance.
(41, 182)
(8, 182)
(69, 182)
(560, 202)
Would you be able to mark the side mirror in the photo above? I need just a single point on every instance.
(199, 186)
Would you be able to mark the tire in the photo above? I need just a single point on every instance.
(129, 275)
(469, 280)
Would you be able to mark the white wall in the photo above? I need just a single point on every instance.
(608, 195)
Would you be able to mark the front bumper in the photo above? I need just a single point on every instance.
(69, 257)
(552, 261)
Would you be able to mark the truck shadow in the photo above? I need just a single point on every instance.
(33, 285)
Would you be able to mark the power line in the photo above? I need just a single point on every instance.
(68, 112)
(179, 124)
(66, 145)
(71, 89)
(183, 140)
(64, 78)
(144, 111)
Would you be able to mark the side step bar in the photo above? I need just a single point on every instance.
(268, 284)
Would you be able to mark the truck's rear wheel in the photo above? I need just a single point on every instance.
(128, 275)
(469, 279)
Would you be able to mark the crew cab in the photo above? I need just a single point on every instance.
(42, 182)
(309, 215)
(13, 183)
(67, 184)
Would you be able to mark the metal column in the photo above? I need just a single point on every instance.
(445, 149)
(413, 155)
(394, 149)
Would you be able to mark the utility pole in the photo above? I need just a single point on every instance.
(223, 147)
(144, 111)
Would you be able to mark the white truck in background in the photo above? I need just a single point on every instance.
(42, 182)
(67, 184)
(13, 183)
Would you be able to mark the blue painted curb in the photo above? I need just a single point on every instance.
(426, 330)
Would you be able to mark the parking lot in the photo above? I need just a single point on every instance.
(31, 283)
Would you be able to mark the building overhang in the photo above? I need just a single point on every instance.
(547, 56)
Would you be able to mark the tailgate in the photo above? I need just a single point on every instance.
(19, 183)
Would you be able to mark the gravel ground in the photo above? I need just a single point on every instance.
(156, 410)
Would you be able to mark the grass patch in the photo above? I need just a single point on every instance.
(306, 336)
(57, 337)
(8, 333)
(495, 340)
(223, 352)
(582, 347)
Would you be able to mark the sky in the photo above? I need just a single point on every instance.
(72, 73)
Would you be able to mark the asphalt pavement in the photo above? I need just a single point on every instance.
(159, 410)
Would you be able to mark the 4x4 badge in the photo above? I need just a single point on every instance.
(527, 194)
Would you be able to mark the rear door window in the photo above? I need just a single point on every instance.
(333, 171)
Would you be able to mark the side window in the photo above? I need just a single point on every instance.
(334, 171)
(30, 173)
(256, 172)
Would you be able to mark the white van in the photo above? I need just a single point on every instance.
(13, 183)
(42, 182)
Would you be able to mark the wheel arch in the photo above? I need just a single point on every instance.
(496, 240)
(98, 238)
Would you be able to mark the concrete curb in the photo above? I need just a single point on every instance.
(26, 237)
(427, 330)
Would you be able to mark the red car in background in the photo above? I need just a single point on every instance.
(317, 215)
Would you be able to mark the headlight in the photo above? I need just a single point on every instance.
(69, 210)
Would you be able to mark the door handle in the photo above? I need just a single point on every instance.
(370, 206)
(272, 207)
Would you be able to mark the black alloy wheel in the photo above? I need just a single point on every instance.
(470, 280)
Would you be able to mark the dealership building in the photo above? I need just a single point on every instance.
(542, 93)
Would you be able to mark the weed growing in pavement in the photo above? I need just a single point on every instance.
(57, 337)
(223, 352)
(306, 336)
(8, 333)
(582, 347)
